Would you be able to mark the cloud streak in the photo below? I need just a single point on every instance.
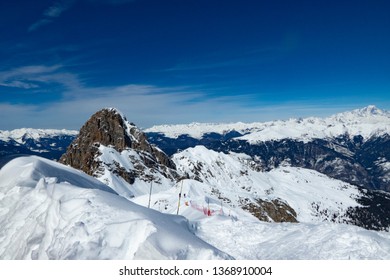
(33, 76)
(51, 13)
(233, 60)
(148, 105)
(145, 105)
(58, 8)
(61, 6)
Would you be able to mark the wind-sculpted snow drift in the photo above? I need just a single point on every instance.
(50, 211)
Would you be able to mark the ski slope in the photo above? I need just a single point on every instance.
(244, 237)
(50, 211)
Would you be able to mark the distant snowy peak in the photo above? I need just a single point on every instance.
(22, 134)
(197, 130)
(366, 122)
(368, 114)
(371, 110)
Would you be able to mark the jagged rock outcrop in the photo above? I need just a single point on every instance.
(108, 145)
(271, 211)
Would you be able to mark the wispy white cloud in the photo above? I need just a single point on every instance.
(54, 11)
(145, 105)
(61, 6)
(28, 77)
(58, 8)
(18, 84)
(38, 24)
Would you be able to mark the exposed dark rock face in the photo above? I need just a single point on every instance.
(274, 210)
(109, 128)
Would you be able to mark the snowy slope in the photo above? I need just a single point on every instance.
(243, 236)
(235, 178)
(366, 122)
(253, 240)
(21, 135)
(129, 161)
(49, 211)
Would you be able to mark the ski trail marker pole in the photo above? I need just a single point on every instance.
(178, 205)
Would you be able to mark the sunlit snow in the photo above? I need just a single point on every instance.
(366, 122)
(44, 216)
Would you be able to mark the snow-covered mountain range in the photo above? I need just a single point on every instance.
(218, 196)
(366, 122)
(49, 143)
(352, 146)
(22, 135)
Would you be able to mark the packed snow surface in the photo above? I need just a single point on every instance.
(242, 236)
(49, 211)
(366, 122)
(250, 240)
(211, 203)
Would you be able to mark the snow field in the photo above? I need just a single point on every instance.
(306, 191)
(55, 219)
(250, 240)
(50, 211)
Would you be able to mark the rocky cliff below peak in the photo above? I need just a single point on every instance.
(117, 152)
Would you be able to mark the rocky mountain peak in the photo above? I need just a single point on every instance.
(108, 142)
(110, 128)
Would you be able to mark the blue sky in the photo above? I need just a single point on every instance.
(166, 61)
